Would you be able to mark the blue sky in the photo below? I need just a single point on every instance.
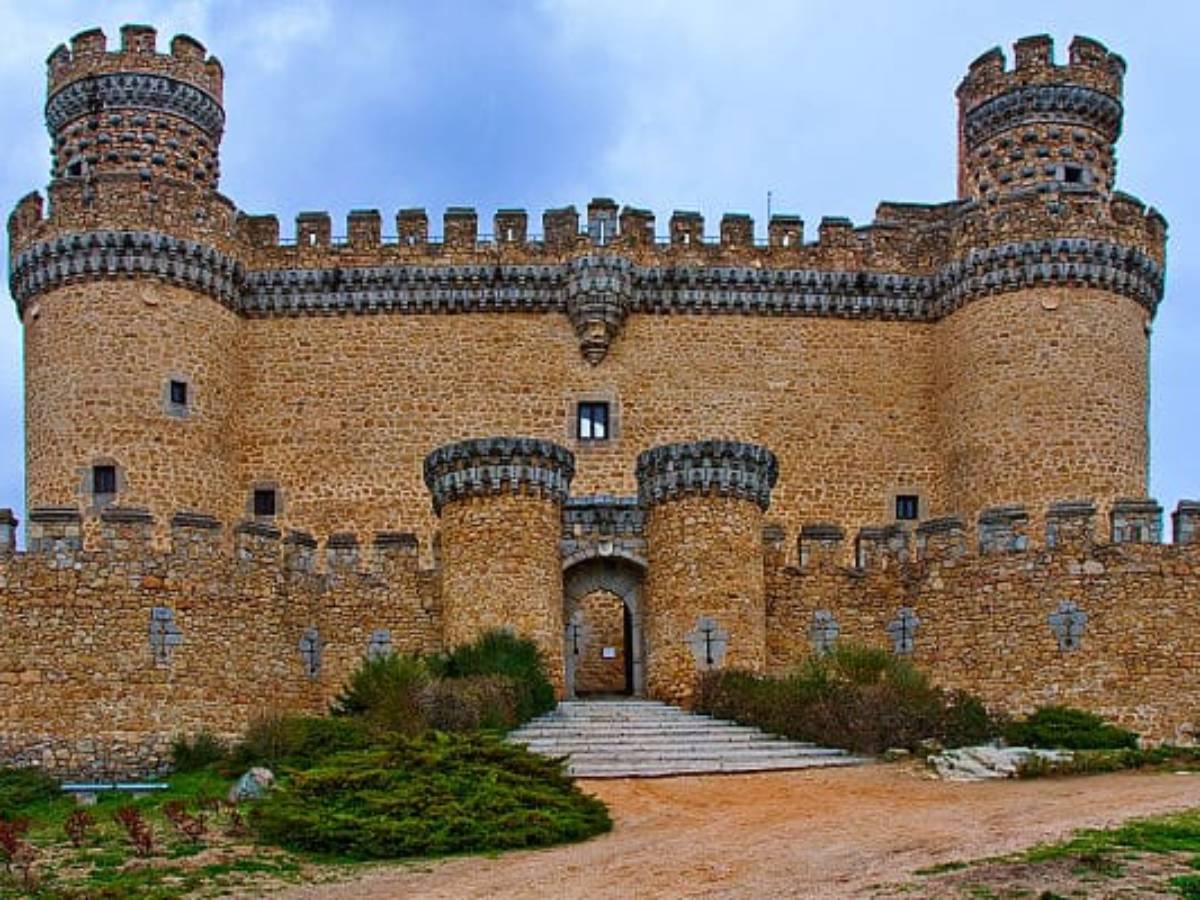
(831, 106)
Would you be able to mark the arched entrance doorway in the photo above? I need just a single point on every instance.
(602, 612)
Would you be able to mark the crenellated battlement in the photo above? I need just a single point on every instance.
(1040, 126)
(1070, 528)
(88, 55)
(63, 538)
(1089, 64)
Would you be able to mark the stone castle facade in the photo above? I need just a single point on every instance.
(252, 461)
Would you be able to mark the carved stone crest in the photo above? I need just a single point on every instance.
(1068, 623)
(598, 300)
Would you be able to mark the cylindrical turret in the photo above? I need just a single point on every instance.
(134, 111)
(125, 287)
(1042, 377)
(1039, 126)
(705, 604)
(500, 502)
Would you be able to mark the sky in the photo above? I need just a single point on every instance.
(688, 104)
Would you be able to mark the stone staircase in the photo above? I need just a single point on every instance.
(645, 738)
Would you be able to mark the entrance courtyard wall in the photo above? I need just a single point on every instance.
(86, 691)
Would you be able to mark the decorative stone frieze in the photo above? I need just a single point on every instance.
(1058, 103)
(86, 256)
(496, 465)
(728, 468)
(603, 526)
(597, 291)
(135, 90)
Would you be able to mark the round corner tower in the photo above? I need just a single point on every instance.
(126, 285)
(705, 584)
(500, 506)
(1042, 377)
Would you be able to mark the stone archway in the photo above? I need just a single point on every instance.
(620, 577)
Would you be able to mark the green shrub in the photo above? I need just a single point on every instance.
(1062, 727)
(859, 698)
(198, 752)
(22, 787)
(277, 739)
(429, 796)
(500, 653)
(471, 703)
(386, 692)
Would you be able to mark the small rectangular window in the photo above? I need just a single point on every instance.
(906, 507)
(179, 393)
(104, 479)
(1073, 175)
(264, 502)
(593, 422)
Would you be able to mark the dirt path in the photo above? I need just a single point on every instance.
(819, 833)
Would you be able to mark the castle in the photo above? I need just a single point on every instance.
(253, 461)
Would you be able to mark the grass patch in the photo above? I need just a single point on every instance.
(1095, 762)
(1177, 833)
(429, 796)
(938, 869)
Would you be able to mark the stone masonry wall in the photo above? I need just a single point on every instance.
(602, 625)
(98, 360)
(986, 621)
(109, 653)
(705, 563)
(1042, 395)
(501, 569)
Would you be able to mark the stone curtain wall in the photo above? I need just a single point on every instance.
(108, 653)
(990, 622)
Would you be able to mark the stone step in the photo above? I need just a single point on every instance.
(659, 769)
(635, 738)
(682, 734)
(651, 739)
(691, 754)
(561, 748)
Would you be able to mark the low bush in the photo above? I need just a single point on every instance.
(386, 692)
(198, 752)
(22, 787)
(501, 653)
(858, 698)
(428, 796)
(1064, 728)
(277, 739)
(471, 703)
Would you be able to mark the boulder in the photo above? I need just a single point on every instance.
(252, 785)
(982, 763)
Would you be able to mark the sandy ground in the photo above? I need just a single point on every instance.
(817, 833)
